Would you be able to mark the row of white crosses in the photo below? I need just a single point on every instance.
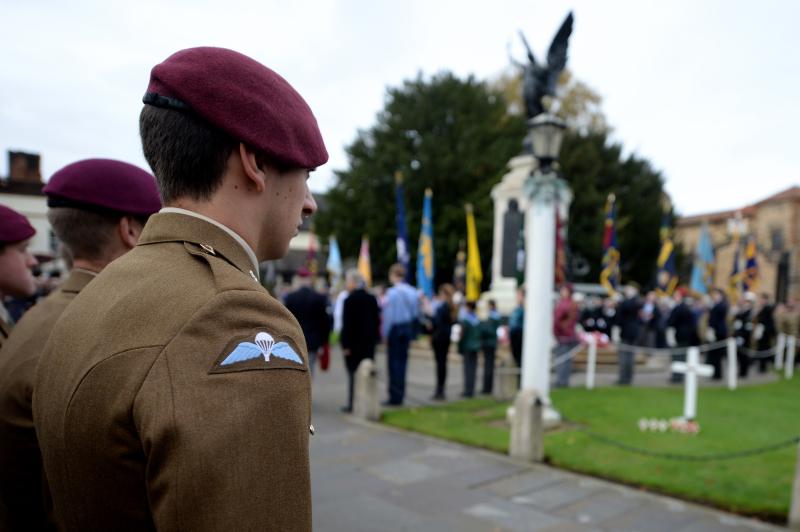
(692, 368)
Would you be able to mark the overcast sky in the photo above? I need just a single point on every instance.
(708, 91)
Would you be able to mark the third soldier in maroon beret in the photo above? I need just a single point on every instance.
(97, 209)
(16, 278)
(177, 388)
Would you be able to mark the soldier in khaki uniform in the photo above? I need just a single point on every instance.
(16, 262)
(174, 392)
(98, 208)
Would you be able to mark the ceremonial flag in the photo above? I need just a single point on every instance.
(667, 277)
(703, 269)
(425, 251)
(474, 273)
(735, 279)
(402, 234)
(364, 265)
(460, 268)
(609, 275)
(311, 255)
(561, 251)
(334, 265)
(750, 279)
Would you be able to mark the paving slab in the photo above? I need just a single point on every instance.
(369, 477)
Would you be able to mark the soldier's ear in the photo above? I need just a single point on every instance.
(254, 174)
(129, 230)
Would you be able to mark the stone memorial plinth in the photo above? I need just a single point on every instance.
(507, 384)
(527, 428)
(504, 282)
(366, 401)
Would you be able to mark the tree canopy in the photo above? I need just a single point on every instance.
(452, 135)
(456, 137)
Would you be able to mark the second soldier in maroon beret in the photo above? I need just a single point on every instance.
(97, 210)
(178, 390)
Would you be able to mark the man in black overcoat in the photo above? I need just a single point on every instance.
(311, 310)
(360, 329)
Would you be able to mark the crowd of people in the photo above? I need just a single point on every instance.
(684, 319)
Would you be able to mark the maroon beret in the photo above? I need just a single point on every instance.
(106, 185)
(14, 227)
(243, 98)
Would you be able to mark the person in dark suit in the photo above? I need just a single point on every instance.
(765, 331)
(630, 323)
(717, 330)
(743, 331)
(311, 310)
(444, 316)
(360, 328)
(683, 321)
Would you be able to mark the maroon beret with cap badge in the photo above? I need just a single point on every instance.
(14, 227)
(243, 98)
(104, 185)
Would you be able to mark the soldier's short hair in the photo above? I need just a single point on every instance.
(84, 234)
(188, 156)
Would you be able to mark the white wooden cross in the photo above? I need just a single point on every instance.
(691, 368)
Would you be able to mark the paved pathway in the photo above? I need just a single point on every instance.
(367, 477)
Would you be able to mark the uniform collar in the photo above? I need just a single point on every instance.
(233, 234)
(77, 280)
(179, 225)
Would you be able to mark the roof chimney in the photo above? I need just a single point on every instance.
(24, 167)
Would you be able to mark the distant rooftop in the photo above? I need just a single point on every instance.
(791, 193)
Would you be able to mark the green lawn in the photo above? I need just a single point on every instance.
(730, 421)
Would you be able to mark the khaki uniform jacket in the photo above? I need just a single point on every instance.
(143, 420)
(21, 488)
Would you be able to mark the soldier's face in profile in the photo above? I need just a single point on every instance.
(16, 278)
(288, 200)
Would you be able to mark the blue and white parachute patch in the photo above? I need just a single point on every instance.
(264, 348)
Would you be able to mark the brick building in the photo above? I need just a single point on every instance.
(775, 223)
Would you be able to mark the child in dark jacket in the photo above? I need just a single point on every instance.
(469, 345)
(489, 346)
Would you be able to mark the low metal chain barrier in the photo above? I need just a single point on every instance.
(745, 453)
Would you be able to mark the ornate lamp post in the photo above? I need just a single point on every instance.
(544, 189)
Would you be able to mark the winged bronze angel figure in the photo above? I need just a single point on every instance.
(540, 80)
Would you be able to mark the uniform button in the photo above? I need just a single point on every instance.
(208, 249)
(311, 429)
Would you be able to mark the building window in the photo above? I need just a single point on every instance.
(54, 243)
(777, 239)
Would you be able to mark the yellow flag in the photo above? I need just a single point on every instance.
(474, 273)
(364, 266)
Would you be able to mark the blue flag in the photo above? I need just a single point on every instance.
(703, 269)
(425, 252)
(402, 234)
(334, 265)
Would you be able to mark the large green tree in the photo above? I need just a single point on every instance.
(594, 166)
(456, 137)
(450, 134)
